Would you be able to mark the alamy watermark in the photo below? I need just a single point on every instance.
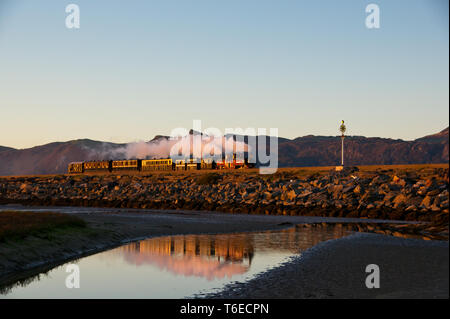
(73, 280)
(373, 17)
(373, 279)
(213, 145)
(372, 20)
(73, 17)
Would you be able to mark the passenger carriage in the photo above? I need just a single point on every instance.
(97, 166)
(157, 165)
(75, 168)
(125, 165)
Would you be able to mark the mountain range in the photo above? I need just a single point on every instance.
(308, 150)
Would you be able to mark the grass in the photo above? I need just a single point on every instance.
(18, 225)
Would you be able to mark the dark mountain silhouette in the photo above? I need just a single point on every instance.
(359, 150)
(159, 137)
(435, 138)
(50, 158)
(302, 151)
(3, 148)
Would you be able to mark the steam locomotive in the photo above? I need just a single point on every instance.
(163, 164)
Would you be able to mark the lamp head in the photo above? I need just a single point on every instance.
(342, 128)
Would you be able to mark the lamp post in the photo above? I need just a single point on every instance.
(342, 128)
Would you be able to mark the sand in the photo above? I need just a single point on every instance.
(409, 268)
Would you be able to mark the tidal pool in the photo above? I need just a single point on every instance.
(174, 266)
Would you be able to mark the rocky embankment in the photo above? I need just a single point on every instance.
(420, 194)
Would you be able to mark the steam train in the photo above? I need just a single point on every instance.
(163, 164)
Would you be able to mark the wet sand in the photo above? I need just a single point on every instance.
(409, 268)
(307, 277)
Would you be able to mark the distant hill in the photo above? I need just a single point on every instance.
(50, 158)
(441, 137)
(302, 151)
(359, 150)
(3, 148)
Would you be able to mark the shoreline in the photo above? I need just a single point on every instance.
(380, 213)
(110, 229)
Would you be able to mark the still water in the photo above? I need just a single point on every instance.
(174, 266)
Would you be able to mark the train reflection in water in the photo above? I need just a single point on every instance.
(220, 256)
(194, 255)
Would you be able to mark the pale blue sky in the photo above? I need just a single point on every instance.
(140, 68)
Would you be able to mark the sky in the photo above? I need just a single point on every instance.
(136, 69)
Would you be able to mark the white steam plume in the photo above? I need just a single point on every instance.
(161, 148)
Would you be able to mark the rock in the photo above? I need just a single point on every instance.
(384, 189)
(291, 195)
(435, 208)
(305, 194)
(399, 199)
(426, 202)
(395, 179)
(399, 181)
(437, 201)
(430, 183)
(433, 192)
(380, 179)
(369, 195)
(422, 190)
(444, 204)
(389, 197)
(358, 189)
(26, 188)
(348, 188)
